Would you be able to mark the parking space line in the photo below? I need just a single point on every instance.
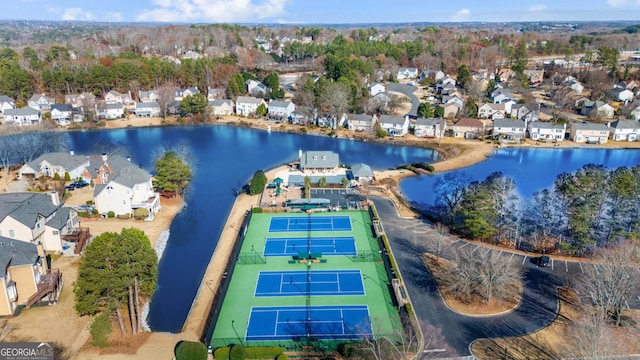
(465, 244)
(595, 267)
(581, 269)
(566, 265)
(474, 249)
(485, 254)
(525, 259)
(552, 264)
(511, 258)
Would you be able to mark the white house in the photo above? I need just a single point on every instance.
(247, 105)
(542, 130)
(110, 111)
(50, 164)
(256, 88)
(359, 122)
(6, 103)
(433, 127)
(435, 75)
(80, 101)
(126, 188)
(114, 97)
(147, 109)
(375, 88)
(407, 73)
(624, 95)
(41, 102)
(22, 116)
(180, 94)
(589, 133)
(625, 130)
(221, 107)
(281, 109)
(148, 96)
(508, 129)
(394, 125)
(62, 113)
(597, 109)
(216, 94)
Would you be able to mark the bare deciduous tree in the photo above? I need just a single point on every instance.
(335, 98)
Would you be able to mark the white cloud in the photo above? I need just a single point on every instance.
(616, 3)
(461, 15)
(213, 10)
(72, 14)
(538, 7)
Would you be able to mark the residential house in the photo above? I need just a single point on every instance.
(49, 164)
(431, 128)
(451, 91)
(360, 122)
(216, 94)
(191, 55)
(451, 109)
(482, 74)
(433, 75)
(542, 130)
(635, 112)
(529, 113)
(375, 88)
(114, 97)
(6, 103)
(407, 73)
(123, 187)
(180, 94)
(280, 110)
(110, 111)
(318, 161)
(625, 130)
(589, 133)
(221, 107)
(446, 87)
(41, 102)
(492, 111)
(446, 99)
(535, 76)
(247, 105)
(509, 130)
(25, 277)
(499, 95)
(86, 100)
(360, 173)
(37, 218)
(22, 116)
(466, 128)
(597, 109)
(62, 113)
(148, 96)
(394, 125)
(575, 85)
(505, 74)
(624, 95)
(147, 109)
(257, 89)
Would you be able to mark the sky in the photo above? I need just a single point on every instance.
(320, 11)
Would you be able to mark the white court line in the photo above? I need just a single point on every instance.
(525, 259)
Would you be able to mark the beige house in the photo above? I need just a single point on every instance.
(24, 276)
(359, 122)
(466, 128)
(451, 110)
(492, 111)
(221, 107)
(50, 164)
(589, 133)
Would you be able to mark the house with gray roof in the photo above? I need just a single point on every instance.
(110, 110)
(429, 127)
(589, 133)
(509, 130)
(50, 164)
(221, 107)
(122, 187)
(148, 96)
(394, 125)
(41, 102)
(180, 94)
(25, 116)
(281, 110)
(115, 97)
(6, 103)
(407, 73)
(248, 105)
(319, 161)
(542, 131)
(86, 100)
(147, 109)
(360, 173)
(625, 130)
(36, 218)
(62, 113)
(359, 122)
(23, 274)
(597, 109)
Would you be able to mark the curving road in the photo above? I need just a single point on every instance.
(408, 91)
(456, 332)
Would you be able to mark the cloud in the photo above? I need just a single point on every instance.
(461, 15)
(538, 7)
(213, 10)
(71, 14)
(620, 3)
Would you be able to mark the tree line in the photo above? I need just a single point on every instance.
(593, 207)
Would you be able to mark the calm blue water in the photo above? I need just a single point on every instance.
(532, 169)
(224, 158)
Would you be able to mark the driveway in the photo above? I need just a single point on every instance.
(538, 309)
(408, 91)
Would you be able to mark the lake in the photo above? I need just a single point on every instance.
(532, 169)
(223, 159)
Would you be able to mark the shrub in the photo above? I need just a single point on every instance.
(122, 216)
(56, 176)
(94, 211)
(67, 177)
(257, 210)
(83, 214)
(100, 330)
(258, 182)
(221, 353)
(89, 202)
(237, 352)
(191, 350)
(111, 214)
(141, 213)
(282, 357)
(263, 352)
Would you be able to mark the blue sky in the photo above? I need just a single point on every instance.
(321, 11)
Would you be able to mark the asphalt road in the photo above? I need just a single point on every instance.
(454, 332)
(408, 91)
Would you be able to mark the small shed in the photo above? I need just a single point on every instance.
(307, 204)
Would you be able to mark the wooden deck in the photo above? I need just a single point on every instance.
(49, 287)
(80, 237)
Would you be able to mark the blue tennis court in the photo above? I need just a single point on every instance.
(325, 322)
(318, 223)
(342, 245)
(321, 282)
